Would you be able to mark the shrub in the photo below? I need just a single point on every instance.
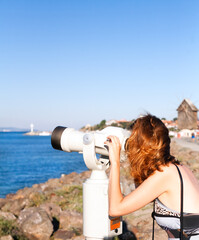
(8, 227)
(37, 199)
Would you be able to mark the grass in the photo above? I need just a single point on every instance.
(37, 199)
(8, 227)
(77, 231)
(72, 198)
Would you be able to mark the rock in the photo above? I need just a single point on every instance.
(79, 237)
(68, 179)
(15, 206)
(63, 235)
(52, 209)
(7, 215)
(84, 175)
(74, 177)
(45, 187)
(35, 186)
(56, 199)
(71, 219)
(10, 196)
(2, 202)
(6, 206)
(9, 237)
(53, 183)
(25, 192)
(35, 223)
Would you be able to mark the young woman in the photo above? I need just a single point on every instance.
(158, 176)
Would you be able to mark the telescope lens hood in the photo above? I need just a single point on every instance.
(56, 137)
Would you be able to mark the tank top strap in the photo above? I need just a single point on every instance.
(181, 203)
(181, 207)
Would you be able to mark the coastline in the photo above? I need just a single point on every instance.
(58, 204)
(38, 133)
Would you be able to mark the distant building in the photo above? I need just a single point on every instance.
(170, 124)
(110, 122)
(187, 115)
(88, 126)
(186, 133)
(122, 121)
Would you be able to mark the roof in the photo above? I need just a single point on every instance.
(192, 106)
(122, 120)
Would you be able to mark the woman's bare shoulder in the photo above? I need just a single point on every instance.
(163, 176)
(167, 175)
(185, 171)
(169, 169)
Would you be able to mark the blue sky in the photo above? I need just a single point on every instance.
(73, 62)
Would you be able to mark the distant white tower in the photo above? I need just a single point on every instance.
(32, 127)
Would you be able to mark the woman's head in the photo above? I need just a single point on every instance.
(148, 147)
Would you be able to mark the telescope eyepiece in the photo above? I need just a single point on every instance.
(56, 137)
(87, 139)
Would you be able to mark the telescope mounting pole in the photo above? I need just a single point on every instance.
(96, 222)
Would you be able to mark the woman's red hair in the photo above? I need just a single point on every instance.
(148, 147)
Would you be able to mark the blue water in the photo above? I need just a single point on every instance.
(26, 160)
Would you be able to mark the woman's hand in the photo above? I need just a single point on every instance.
(114, 146)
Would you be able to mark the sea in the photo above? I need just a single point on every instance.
(27, 160)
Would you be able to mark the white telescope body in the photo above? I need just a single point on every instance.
(90, 144)
(71, 140)
(97, 225)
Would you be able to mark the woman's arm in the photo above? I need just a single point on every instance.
(150, 189)
(114, 191)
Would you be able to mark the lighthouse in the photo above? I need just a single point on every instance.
(31, 127)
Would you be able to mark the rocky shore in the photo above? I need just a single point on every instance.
(53, 210)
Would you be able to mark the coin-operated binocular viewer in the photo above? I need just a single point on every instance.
(96, 222)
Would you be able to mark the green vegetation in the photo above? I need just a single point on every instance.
(125, 125)
(77, 231)
(37, 199)
(72, 198)
(8, 227)
(102, 125)
(99, 126)
(174, 129)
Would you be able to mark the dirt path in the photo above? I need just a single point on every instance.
(187, 143)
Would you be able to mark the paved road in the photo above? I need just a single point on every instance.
(187, 143)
